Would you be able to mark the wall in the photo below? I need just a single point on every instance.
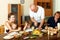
(4, 8)
(14, 1)
(56, 5)
(26, 6)
(3, 11)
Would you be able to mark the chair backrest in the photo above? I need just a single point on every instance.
(46, 18)
(27, 18)
(2, 29)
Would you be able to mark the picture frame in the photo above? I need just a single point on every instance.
(22, 1)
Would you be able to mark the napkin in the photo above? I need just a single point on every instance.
(28, 30)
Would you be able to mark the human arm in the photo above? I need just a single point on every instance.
(25, 26)
(42, 18)
(32, 17)
(34, 21)
(41, 23)
(19, 28)
(8, 26)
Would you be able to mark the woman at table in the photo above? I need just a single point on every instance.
(10, 22)
(52, 21)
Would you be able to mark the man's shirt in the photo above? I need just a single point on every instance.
(37, 15)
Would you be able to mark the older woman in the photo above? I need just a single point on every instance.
(10, 22)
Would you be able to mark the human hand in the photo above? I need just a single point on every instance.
(40, 28)
(35, 23)
(56, 27)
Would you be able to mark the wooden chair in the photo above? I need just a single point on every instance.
(2, 29)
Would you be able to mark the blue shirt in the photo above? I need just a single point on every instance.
(52, 22)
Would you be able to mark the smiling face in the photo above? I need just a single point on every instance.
(12, 18)
(57, 15)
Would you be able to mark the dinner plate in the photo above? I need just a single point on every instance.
(21, 32)
(13, 33)
(28, 30)
(44, 30)
(8, 37)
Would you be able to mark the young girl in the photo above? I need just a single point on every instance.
(14, 26)
(27, 25)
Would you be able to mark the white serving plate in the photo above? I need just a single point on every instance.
(44, 30)
(8, 37)
(13, 33)
(28, 30)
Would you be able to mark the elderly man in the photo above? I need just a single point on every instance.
(37, 15)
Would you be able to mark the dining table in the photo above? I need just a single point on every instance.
(43, 37)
